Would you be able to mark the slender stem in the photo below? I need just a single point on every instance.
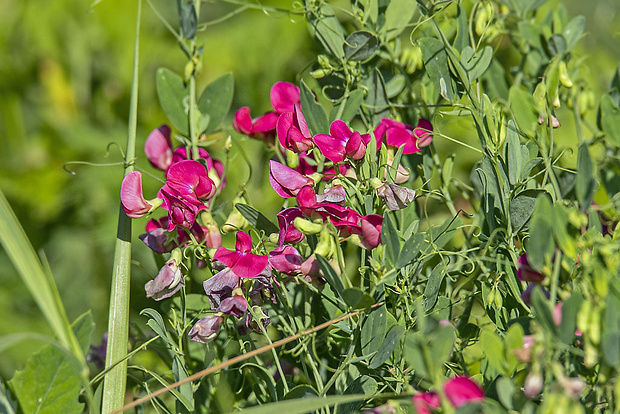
(118, 322)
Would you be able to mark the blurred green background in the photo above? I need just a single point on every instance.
(65, 76)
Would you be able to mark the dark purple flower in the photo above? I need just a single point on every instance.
(98, 352)
(220, 286)
(169, 281)
(157, 236)
(235, 306)
(207, 328)
(241, 260)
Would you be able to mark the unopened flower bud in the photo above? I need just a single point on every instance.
(206, 329)
(320, 73)
(565, 80)
(533, 384)
(307, 227)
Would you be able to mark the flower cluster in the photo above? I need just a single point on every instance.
(459, 391)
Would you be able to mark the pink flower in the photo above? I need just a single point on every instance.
(398, 134)
(426, 402)
(371, 231)
(286, 259)
(293, 131)
(182, 211)
(132, 199)
(341, 142)
(262, 127)
(215, 167)
(169, 281)
(462, 390)
(288, 232)
(286, 181)
(526, 273)
(241, 261)
(284, 97)
(189, 178)
(158, 148)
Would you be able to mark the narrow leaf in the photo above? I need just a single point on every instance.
(257, 219)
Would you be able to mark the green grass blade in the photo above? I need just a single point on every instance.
(118, 322)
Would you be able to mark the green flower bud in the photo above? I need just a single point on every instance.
(565, 80)
(307, 227)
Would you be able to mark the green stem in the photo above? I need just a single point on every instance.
(118, 322)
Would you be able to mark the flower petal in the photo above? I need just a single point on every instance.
(332, 148)
(284, 96)
(132, 200)
(250, 265)
(158, 148)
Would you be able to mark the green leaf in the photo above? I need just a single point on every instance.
(326, 28)
(565, 241)
(156, 323)
(390, 239)
(259, 372)
(436, 64)
(188, 19)
(313, 112)
(573, 31)
(172, 93)
(432, 286)
(413, 353)
(387, 347)
(610, 120)
(377, 100)
(493, 348)
(216, 99)
(586, 183)
(412, 247)
(522, 106)
(373, 330)
(513, 148)
(257, 219)
(7, 405)
(351, 103)
(180, 373)
(357, 299)
(363, 385)
(505, 390)
(397, 15)
(360, 46)
(543, 311)
(540, 244)
(330, 275)
(50, 383)
(570, 309)
(442, 345)
(461, 39)
(522, 207)
(300, 391)
(476, 63)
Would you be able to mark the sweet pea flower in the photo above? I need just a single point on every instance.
(396, 197)
(288, 232)
(371, 231)
(526, 273)
(293, 131)
(132, 198)
(241, 261)
(426, 402)
(235, 305)
(158, 148)
(207, 328)
(215, 167)
(221, 286)
(284, 97)
(157, 237)
(341, 142)
(285, 181)
(399, 134)
(286, 259)
(262, 127)
(189, 178)
(462, 390)
(182, 211)
(169, 280)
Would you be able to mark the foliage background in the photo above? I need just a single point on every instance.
(65, 75)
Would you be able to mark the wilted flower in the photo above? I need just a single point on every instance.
(220, 286)
(241, 260)
(235, 305)
(207, 328)
(157, 238)
(396, 197)
(98, 352)
(169, 280)
(462, 390)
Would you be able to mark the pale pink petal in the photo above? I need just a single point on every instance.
(286, 259)
(158, 148)
(285, 181)
(132, 200)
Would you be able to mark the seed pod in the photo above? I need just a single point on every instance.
(565, 80)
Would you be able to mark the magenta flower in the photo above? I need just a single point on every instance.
(189, 178)
(132, 199)
(206, 329)
(288, 232)
(286, 181)
(182, 211)
(158, 148)
(426, 402)
(462, 390)
(215, 167)
(262, 127)
(398, 134)
(526, 273)
(341, 142)
(371, 231)
(284, 97)
(169, 281)
(293, 131)
(286, 259)
(241, 261)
